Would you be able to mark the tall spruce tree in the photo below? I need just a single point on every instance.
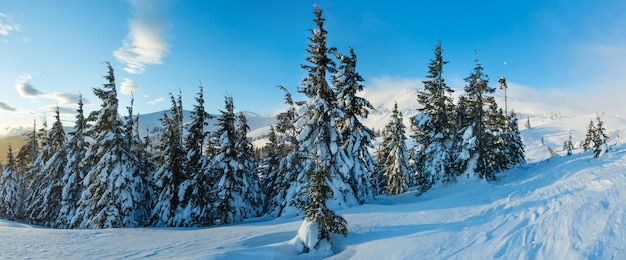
(498, 151)
(75, 169)
(253, 193)
(143, 169)
(357, 138)
(434, 127)
(109, 198)
(473, 151)
(11, 189)
(569, 145)
(600, 139)
(379, 180)
(200, 183)
(235, 174)
(28, 153)
(285, 195)
(326, 164)
(394, 154)
(46, 186)
(591, 130)
(514, 143)
(171, 175)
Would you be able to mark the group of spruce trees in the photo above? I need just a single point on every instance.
(317, 159)
(106, 176)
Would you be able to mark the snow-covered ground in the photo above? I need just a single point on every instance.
(562, 208)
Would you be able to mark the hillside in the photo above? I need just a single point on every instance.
(15, 141)
(558, 208)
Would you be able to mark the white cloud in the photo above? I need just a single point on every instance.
(128, 86)
(64, 98)
(7, 26)
(383, 92)
(25, 88)
(62, 110)
(144, 43)
(156, 101)
(5, 107)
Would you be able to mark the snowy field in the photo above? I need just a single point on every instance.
(561, 208)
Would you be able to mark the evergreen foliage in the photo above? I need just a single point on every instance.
(479, 133)
(357, 138)
(28, 153)
(434, 128)
(252, 195)
(46, 186)
(170, 176)
(514, 144)
(75, 169)
(284, 194)
(596, 138)
(600, 139)
(569, 145)
(11, 189)
(325, 165)
(142, 167)
(197, 166)
(109, 198)
(394, 155)
(591, 130)
(236, 188)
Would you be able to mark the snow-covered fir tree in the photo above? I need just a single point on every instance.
(357, 138)
(588, 142)
(171, 199)
(253, 193)
(235, 175)
(472, 148)
(569, 145)
(600, 139)
(143, 169)
(75, 169)
(514, 143)
(268, 168)
(285, 195)
(379, 180)
(28, 153)
(326, 164)
(46, 186)
(11, 189)
(495, 138)
(200, 183)
(434, 127)
(109, 198)
(394, 154)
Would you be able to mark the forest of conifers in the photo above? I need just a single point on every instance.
(319, 157)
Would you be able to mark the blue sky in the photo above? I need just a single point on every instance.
(50, 51)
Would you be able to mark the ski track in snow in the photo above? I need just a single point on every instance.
(561, 208)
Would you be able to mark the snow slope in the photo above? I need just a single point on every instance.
(561, 208)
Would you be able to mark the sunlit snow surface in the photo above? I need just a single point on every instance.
(561, 208)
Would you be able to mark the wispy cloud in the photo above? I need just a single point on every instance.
(65, 98)
(62, 110)
(144, 43)
(7, 26)
(156, 101)
(24, 87)
(5, 107)
(128, 86)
